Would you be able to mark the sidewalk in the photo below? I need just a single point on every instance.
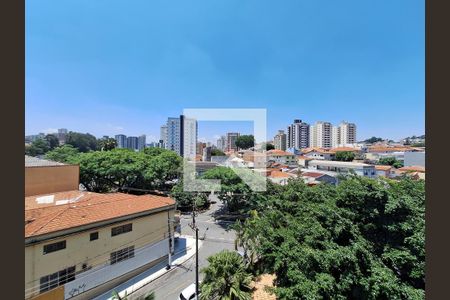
(184, 250)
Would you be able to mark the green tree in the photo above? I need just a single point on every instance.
(64, 154)
(245, 141)
(362, 239)
(391, 161)
(124, 169)
(187, 201)
(52, 141)
(226, 278)
(267, 146)
(37, 148)
(106, 144)
(84, 142)
(217, 152)
(373, 140)
(345, 156)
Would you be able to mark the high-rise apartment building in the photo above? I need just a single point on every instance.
(182, 136)
(279, 140)
(231, 141)
(141, 142)
(206, 154)
(62, 135)
(163, 134)
(320, 135)
(222, 143)
(298, 135)
(121, 140)
(132, 142)
(347, 133)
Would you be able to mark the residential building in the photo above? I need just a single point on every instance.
(320, 135)
(163, 134)
(281, 157)
(62, 135)
(45, 176)
(360, 169)
(80, 244)
(206, 154)
(335, 136)
(231, 141)
(200, 146)
(298, 135)
(313, 178)
(347, 134)
(132, 142)
(280, 177)
(222, 143)
(182, 135)
(414, 159)
(121, 140)
(141, 142)
(279, 140)
(173, 135)
(319, 153)
(385, 171)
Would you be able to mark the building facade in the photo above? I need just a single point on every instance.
(141, 142)
(182, 134)
(163, 134)
(298, 135)
(279, 140)
(121, 140)
(231, 141)
(222, 143)
(132, 142)
(320, 135)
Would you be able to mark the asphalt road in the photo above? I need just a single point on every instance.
(216, 238)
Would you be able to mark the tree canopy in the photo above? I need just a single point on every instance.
(362, 239)
(267, 146)
(226, 278)
(217, 152)
(84, 142)
(64, 154)
(373, 140)
(391, 161)
(245, 141)
(52, 141)
(345, 156)
(106, 144)
(37, 148)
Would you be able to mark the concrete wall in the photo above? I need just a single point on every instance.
(414, 159)
(148, 230)
(51, 179)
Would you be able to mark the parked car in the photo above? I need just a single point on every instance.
(188, 293)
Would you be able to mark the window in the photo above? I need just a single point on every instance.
(56, 279)
(121, 229)
(93, 236)
(54, 247)
(122, 254)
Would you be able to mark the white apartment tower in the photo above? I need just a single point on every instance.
(279, 140)
(298, 135)
(163, 134)
(320, 135)
(222, 143)
(346, 134)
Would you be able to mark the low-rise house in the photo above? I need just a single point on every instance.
(302, 160)
(315, 178)
(282, 157)
(319, 153)
(360, 169)
(385, 171)
(80, 244)
(280, 177)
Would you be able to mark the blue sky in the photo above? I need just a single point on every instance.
(108, 67)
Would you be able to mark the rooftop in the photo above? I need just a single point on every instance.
(279, 153)
(413, 169)
(279, 174)
(31, 161)
(313, 174)
(65, 210)
(338, 163)
(383, 167)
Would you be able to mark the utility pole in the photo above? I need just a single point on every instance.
(194, 227)
(170, 241)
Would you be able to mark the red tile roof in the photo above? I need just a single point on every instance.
(313, 174)
(279, 174)
(382, 167)
(89, 208)
(413, 169)
(279, 153)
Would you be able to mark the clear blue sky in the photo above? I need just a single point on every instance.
(108, 67)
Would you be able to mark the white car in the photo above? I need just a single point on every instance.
(188, 293)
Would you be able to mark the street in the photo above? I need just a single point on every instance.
(215, 238)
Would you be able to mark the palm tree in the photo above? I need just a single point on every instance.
(226, 278)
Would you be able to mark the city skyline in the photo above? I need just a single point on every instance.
(353, 61)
